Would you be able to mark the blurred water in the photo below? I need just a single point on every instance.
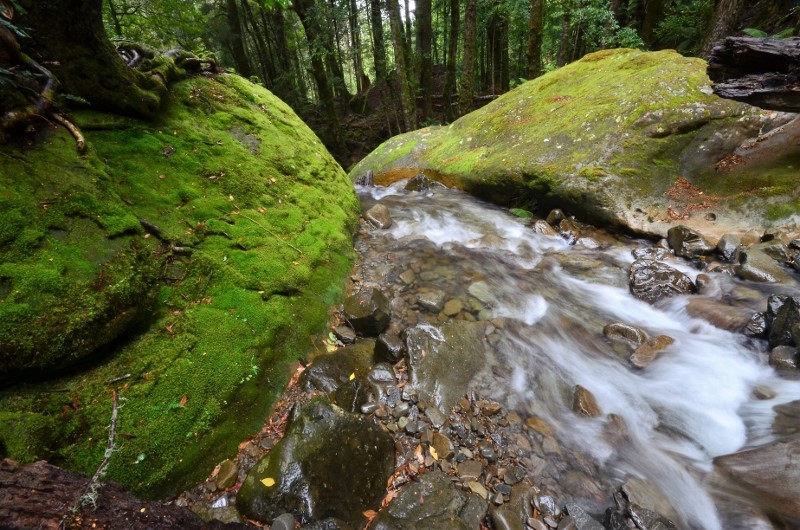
(693, 403)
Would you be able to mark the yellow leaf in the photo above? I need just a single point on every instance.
(433, 453)
(352, 376)
(268, 482)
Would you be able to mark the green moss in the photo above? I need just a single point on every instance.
(269, 236)
(26, 436)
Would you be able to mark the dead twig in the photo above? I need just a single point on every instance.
(73, 130)
(273, 234)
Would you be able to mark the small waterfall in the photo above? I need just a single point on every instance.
(695, 402)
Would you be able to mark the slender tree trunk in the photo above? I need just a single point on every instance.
(467, 85)
(112, 9)
(407, 103)
(653, 13)
(452, 53)
(355, 43)
(378, 46)
(264, 59)
(424, 30)
(565, 47)
(334, 56)
(408, 33)
(727, 15)
(237, 43)
(619, 11)
(535, 30)
(311, 25)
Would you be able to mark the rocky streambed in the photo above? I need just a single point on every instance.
(493, 371)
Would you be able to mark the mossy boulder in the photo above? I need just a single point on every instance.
(185, 263)
(620, 137)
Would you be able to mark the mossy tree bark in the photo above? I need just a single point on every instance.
(69, 36)
(466, 89)
(378, 46)
(535, 34)
(727, 14)
(409, 108)
(236, 42)
(452, 56)
(424, 31)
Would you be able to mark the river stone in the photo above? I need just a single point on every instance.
(757, 327)
(442, 362)
(783, 358)
(453, 307)
(345, 334)
(648, 519)
(284, 521)
(555, 217)
(771, 472)
(650, 350)
(227, 475)
(330, 463)
(542, 227)
(718, 313)
(756, 265)
(368, 312)
(330, 523)
(379, 216)
(389, 348)
(775, 249)
(727, 246)
(643, 493)
(615, 521)
(351, 396)
(583, 521)
(619, 331)
(481, 291)
(584, 403)
(504, 518)
(787, 418)
(331, 370)
(443, 446)
(651, 253)
(423, 183)
(653, 280)
(688, 243)
(783, 313)
(432, 300)
(470, 470)
(431, 503)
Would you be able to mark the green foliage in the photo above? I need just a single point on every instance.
(684, 25)
(754, 32)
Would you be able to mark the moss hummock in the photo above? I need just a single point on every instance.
(185, 263)
(607, 137)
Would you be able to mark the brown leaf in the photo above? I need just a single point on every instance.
(184, 399)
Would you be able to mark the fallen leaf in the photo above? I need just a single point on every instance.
(268, 482)
(185, 398)
(433, 452)
(370, 514)
(352, 376)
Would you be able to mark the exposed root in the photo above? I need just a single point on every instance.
(73, 129)
(46, 96)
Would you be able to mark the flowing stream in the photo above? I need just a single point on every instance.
(695, 402)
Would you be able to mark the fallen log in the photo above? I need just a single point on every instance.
(763, 72)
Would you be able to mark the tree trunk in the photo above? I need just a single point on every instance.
(378, 46)
(407, 102)
(311, 25)
(467, 85)
(112, 9)
(69, 36)
(565, 47)
(452, 53)
(535, 30)
(727, 15)
(355, 43)
(237, 44)
(268, 72)
(424, 31)
(653, 13)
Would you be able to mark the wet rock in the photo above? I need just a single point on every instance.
(329, 371)
(643, 493)
(727, 246)
(330, 523)
(615, 521)
(423, 183)
(367, 179)
(650, 350)
(478, 489)
(555, 217)
(329, 463)
(443, 446)
(764, 393)
(651, 253)
(771, 472)
(228, 474)
(542, 227)
(653, 280)
(569, 229)
(284, 521)
(470, 470)
(787, 418)
(481, 291)
(783, 314)
(567, 523)
(783, 358)
(352, 396)
(627, 336)
(379, 216)
(583, 521)
(649, 520)
(718, 313)
(584, 403)
(688, 243)
(453, 307)
(368, 312)
(755, 265)
(442, 362)
(436, 416)
(546, 505)
(775, 249)
(345, 334)
(389, 348)
(707, 285)
(432, 503)
(504, 518)
(757, 326)
(432, 300)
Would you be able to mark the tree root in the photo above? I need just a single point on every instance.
(16, 116)
(73, 129)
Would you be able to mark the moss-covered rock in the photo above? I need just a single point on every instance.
(620, 137)
(193, 258)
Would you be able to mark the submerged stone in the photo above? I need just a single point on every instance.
(379, 216)
(330, 463)
(368, 311)
(653, 280)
